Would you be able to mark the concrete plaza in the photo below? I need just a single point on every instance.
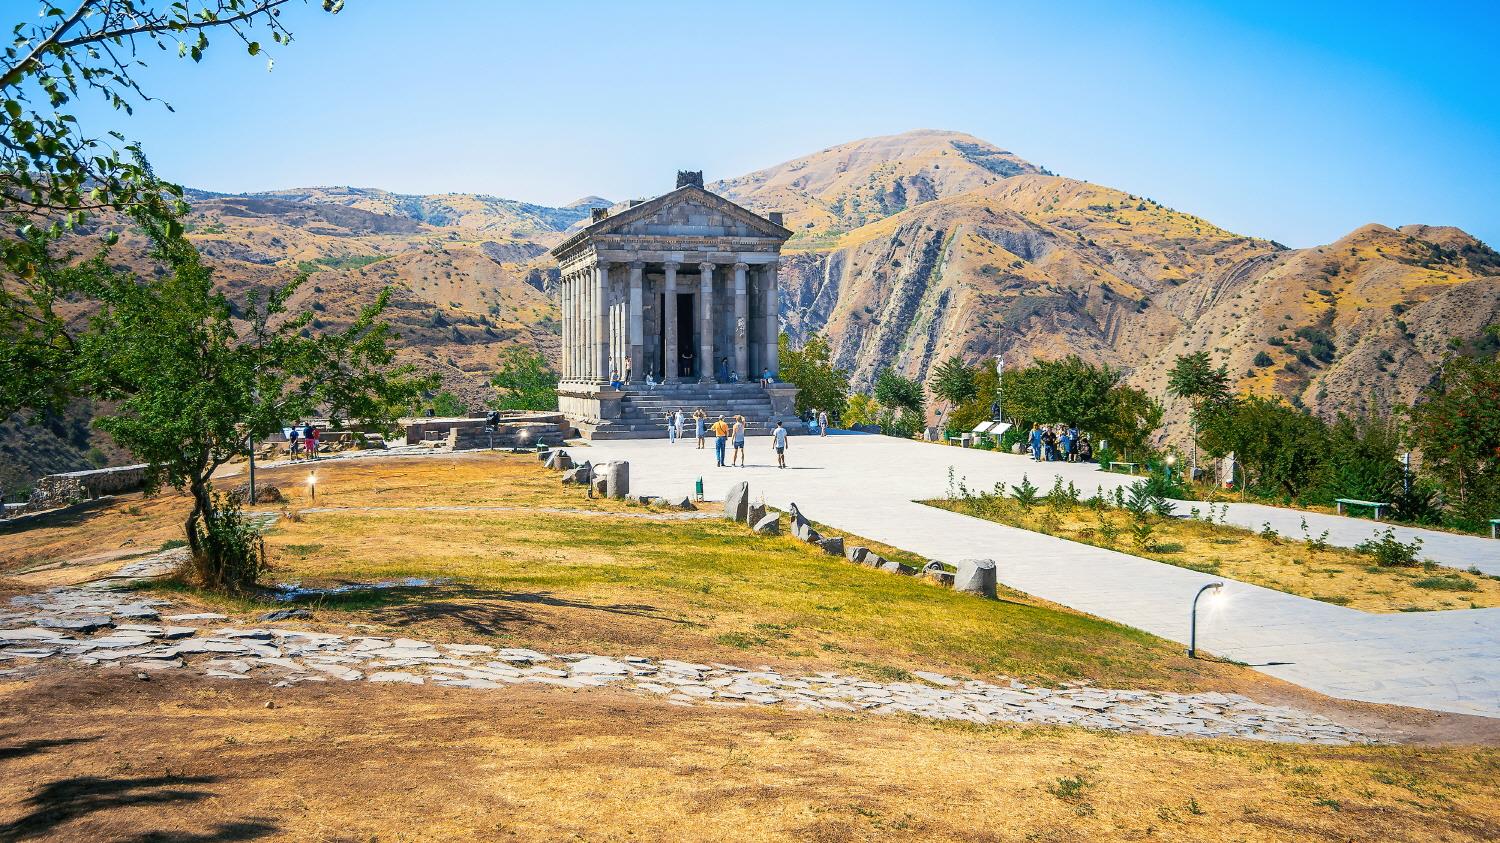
(867, 485)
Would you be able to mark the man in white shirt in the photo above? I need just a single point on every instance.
(778, 438)
(677, 420)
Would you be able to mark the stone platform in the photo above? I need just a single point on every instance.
(635, 412)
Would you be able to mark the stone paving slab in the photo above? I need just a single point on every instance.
(867, 486)
(282, 657)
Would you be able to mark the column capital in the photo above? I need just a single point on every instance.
(603, 264)
(637, 266)
(706, 266)
(741, 267)
(672, 265)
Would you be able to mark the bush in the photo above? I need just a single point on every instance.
(1391, 552)
(1263, 359)
(1026, 493)
(1447, 582)
(231, 554)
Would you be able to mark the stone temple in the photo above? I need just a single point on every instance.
(671, 303)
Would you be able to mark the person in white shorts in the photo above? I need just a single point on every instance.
(778, 438)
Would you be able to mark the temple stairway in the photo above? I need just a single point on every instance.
(643, 412)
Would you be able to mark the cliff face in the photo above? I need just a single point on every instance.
(907, 249)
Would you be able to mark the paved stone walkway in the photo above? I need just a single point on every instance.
(110, 630)
(556, 510)
(866, 485)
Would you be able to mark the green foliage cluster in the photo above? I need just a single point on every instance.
(1456, 424)
(1093, 397)
(820, 384)
(525, 381)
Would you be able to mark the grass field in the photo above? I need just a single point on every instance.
(90, 754)
(1285, 563)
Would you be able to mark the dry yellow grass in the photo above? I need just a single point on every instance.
(1331, 574)
(102, 756)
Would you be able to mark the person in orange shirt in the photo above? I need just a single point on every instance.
(721, 434)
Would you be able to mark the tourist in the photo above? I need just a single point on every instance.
(1065, 445)
(738, 458)
(1049, 443)
(724, 370)
(685, 364)
(1085, 448)
(1036, 443)
(672, 429)
(628, 369)
(822, 422)
(677, 423)
(312, 441)
(721, 439)
(650, 381)
(294, 440)
(765, 377)
(778, 440)
(700, 419)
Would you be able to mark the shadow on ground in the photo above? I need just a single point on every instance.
(481, 610)
(67, 800)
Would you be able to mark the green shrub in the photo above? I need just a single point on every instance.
(1447, 582)
(1391, 552)
(1026, 493)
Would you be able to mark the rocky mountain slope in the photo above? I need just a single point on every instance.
(907, 249)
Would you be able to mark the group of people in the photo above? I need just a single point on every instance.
(1060, 442)
(726, 432)
(302, 438)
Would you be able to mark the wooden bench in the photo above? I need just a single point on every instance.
(1340, 503)
(1129, 465)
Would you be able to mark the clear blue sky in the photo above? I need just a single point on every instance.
(1296, 121)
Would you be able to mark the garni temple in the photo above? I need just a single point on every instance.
(671, 303)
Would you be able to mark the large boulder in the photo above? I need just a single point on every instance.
(757, 512)
(833, 546)
(558, 460)
(976, 576)
(617, 479)
(768, 525)
(855, 553)
(875, 560)
(737, 502)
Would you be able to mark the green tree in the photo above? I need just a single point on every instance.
(899, 393)
(1194, 378)
(820, 384)
(1282, 449)
(1129, 420)
(981, 406)
(1362, 458)
(953, 381)
(446, 405)
(1456, 424)
(525, 381)
(186, 380)
(860, 409)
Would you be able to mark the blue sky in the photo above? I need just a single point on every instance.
(1296, 121)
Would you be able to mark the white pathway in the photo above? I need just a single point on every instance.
(867, 485)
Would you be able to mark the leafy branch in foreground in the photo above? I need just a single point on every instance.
(49, 164)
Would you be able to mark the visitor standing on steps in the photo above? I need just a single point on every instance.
(721, 438)
(739, 442)
(700, 419)
(778, 440)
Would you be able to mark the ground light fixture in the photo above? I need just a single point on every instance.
(312, 484)
(1171, 461)
(1218, 589)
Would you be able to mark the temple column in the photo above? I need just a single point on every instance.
(601, 321)
(637, 324)
(670, 361)
(772, 304)
(741, 323)
(706, 323)
(564, 302)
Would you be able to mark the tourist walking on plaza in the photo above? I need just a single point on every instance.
(721, 438)
(822, 422)
(738, 458)
(312, 441)
(677, 423)
(671, 429)
(700, 419)
(778, 441)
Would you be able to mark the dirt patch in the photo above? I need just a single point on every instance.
(105, 756)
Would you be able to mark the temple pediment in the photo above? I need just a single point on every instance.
(687, 212)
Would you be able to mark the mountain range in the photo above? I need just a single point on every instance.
(907, 249)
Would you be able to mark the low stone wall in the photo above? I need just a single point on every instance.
(469, 433)
(96, 483)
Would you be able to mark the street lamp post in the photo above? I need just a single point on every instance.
(1171, 461)
(312, 486)
(1193, 622)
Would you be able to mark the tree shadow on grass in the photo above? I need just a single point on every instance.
(481, 610)
(25, 748)
(65, 800)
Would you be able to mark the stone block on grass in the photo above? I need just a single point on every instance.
(768, 525)
(976, 576)
(856, 554)
(833, 546)
(737, 502)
